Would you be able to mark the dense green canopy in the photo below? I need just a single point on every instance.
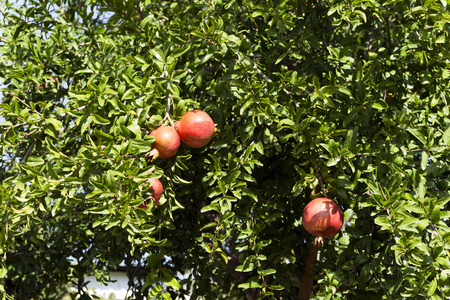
(343, 99)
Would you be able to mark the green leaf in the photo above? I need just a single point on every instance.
(94, 194)
(143, 115)
(345, 91)
(436, 215)
(232, 177)
(28, 170)
(221, 254)
(169, 279)
(112, 224)
(155, 292)
(316, 82)
(329, 89)
(294, 78)
(446, 137)
(158, 54)
(250, 285)
(260, 148)
(226, 216)
(111, 182)
(380, 105)
(99, 120)
(136, 129)
(6, 124)
(212, 206)
(394, 288)
(98, 210)
(442, 202)
(205, 58)
(209, 225)
(361, 14)
(245, 106)
(432, 287)
(34, 161)
(417, 133)
(248, 151)
(267, 272)
(19, 30)
(177, 52)
(84, 71)
(366, 273)
(102, 85)
(104, 136)
(282, 56)
(422, 189)
(424, 160)
(198, 34)
(384, 222)
(407, 224)
(247, 266)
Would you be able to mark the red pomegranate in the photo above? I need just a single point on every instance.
(158, 189)
(195, 128)
(322, 217)
(167, 142)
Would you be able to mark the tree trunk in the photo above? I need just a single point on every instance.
(307, 280)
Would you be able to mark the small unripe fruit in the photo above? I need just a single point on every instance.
(167, 142)
(195, 128)
(322, 217)
(157, 188)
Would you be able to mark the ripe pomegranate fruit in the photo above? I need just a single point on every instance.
(167, 142)
(157, 187)
(322, 217)
(195, 128)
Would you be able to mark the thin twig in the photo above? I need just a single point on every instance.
(254, 245)
(138, 8)
(23, 102)
(21, 124)
(350, 217)
(439, 286)
(261, 74)
(388, 29)
(382, 286)
(25, 157)
(265, 77)
(6, 233)
(319, 176)
(63, 50)
(5, 241)
(161, 279)
(132, 278)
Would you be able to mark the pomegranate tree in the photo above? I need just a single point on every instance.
(167, 142)
(157, 187)
(195, 128)
(323, 218)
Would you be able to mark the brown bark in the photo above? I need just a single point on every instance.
(307, 280)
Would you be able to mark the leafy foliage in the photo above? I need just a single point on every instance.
(344, 99)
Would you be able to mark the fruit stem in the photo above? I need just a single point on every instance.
(167, 116)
